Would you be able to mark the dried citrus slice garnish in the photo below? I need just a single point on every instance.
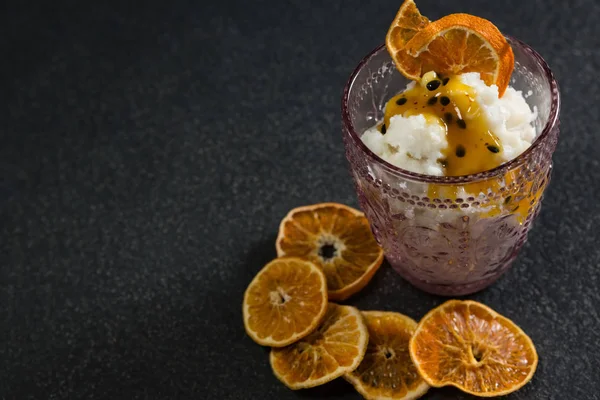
(407, 23)
(387, 372)
(285, 302)
(468, 345)
(454, 44)
(335, 348)
(338, 239)
(460, 43)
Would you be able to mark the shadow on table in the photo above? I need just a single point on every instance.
(339, 389)
(259, 255)
(447, 393)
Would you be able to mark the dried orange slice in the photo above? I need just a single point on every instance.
(338, 239)
(407, 23)
(387, 372)
(284, 302)
(468, 345)
(336, 347)
(460, 43)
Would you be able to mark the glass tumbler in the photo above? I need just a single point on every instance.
(449, 235)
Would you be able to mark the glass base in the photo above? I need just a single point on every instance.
(450, 290)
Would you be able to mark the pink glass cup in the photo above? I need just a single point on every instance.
(449, 244)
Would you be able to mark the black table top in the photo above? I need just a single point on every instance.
(147, 155)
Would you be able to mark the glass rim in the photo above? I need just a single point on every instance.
(512, 164)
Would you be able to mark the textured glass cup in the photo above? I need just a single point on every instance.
(449, 235)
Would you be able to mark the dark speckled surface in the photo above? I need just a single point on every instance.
(148, 153)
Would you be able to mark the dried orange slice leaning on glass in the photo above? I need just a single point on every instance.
(468, 345)
(387, 372)
(460, 43)
(338, 239)
(407, 23)
(284, 302)
(335, 348)
(452, 45)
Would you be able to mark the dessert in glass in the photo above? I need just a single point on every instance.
(450, 148)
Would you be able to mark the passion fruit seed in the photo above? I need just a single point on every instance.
(433, 85)
(460, 151)
(444, 101)
(462, 124)
(401, 101)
